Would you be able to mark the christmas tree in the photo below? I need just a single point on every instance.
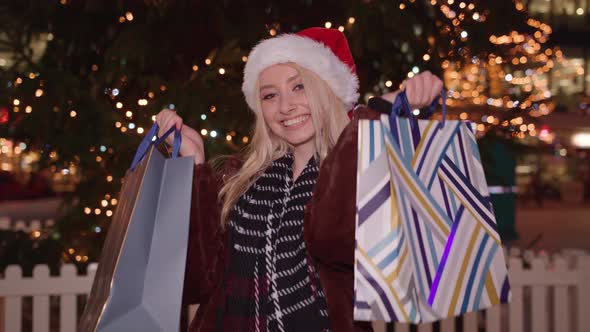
(83, 80)
(510, 83)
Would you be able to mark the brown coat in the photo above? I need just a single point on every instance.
(329, 235)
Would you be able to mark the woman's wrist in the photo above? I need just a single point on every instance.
(199, 160)
(192, 151)
(390, 97)
(379, 104)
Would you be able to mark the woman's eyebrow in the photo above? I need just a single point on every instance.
(292, 78)
(289, 80)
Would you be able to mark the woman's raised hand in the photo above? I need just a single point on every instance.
(421, 90)
(192, 143)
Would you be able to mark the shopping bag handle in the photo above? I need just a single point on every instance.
(151, 138)
(402, 104)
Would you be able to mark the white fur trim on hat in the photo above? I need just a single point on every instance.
(307, 53)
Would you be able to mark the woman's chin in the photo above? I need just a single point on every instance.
(297, 142)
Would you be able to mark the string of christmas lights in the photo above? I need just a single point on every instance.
(515, 77)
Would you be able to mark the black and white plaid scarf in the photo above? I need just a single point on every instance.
(271, 282)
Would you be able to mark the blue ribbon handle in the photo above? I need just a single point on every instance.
(151, 138)
(402, 104)
(432, 107)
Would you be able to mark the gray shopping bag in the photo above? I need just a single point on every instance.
(139, 281)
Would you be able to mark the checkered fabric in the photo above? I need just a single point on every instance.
(271, 282)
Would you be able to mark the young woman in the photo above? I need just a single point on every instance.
(271, 243)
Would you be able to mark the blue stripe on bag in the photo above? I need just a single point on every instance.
(474, 270)
(477, 301)
(375, 203)
(392, 255)
(383, 243)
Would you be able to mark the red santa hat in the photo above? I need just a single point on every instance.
(323, 51)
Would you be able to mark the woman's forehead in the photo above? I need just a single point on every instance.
(277, 74)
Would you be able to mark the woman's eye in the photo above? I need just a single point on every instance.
(269, 96)
(298, 87)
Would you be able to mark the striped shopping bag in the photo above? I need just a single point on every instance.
(427, 247)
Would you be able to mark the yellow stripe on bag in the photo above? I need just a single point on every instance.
(491, 289)
(380, 273)
(461, 275)
(393, 275)
(395, 223)
(423, 139)
(423, 203)
(394, 211)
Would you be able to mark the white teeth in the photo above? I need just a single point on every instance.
(295, 121)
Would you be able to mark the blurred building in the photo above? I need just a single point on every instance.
(534, 89)
(570, 86)
(570, 21)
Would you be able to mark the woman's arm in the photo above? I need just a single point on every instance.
(330, 215)
(195, 138)
(205, 256)
(205, 243)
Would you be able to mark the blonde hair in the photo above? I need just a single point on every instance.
(329, 117)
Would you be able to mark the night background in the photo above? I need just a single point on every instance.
(81, 82)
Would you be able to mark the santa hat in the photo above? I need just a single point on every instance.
(323, 51)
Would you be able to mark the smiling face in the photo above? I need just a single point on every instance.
(285, 107)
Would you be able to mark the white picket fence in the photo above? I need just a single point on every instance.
(67, 286)
(29, 215)
(28, 226)
(551, 295)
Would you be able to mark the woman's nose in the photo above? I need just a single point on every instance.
(287, 104)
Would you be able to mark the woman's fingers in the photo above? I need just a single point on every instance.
(416, 91)
(410, 90)
(161, 120)
(422, 89)
(192, 143)
(178, 122)
(429, 88)
(166, 125)
(167, 119)
(428, 81)
(163, 123)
